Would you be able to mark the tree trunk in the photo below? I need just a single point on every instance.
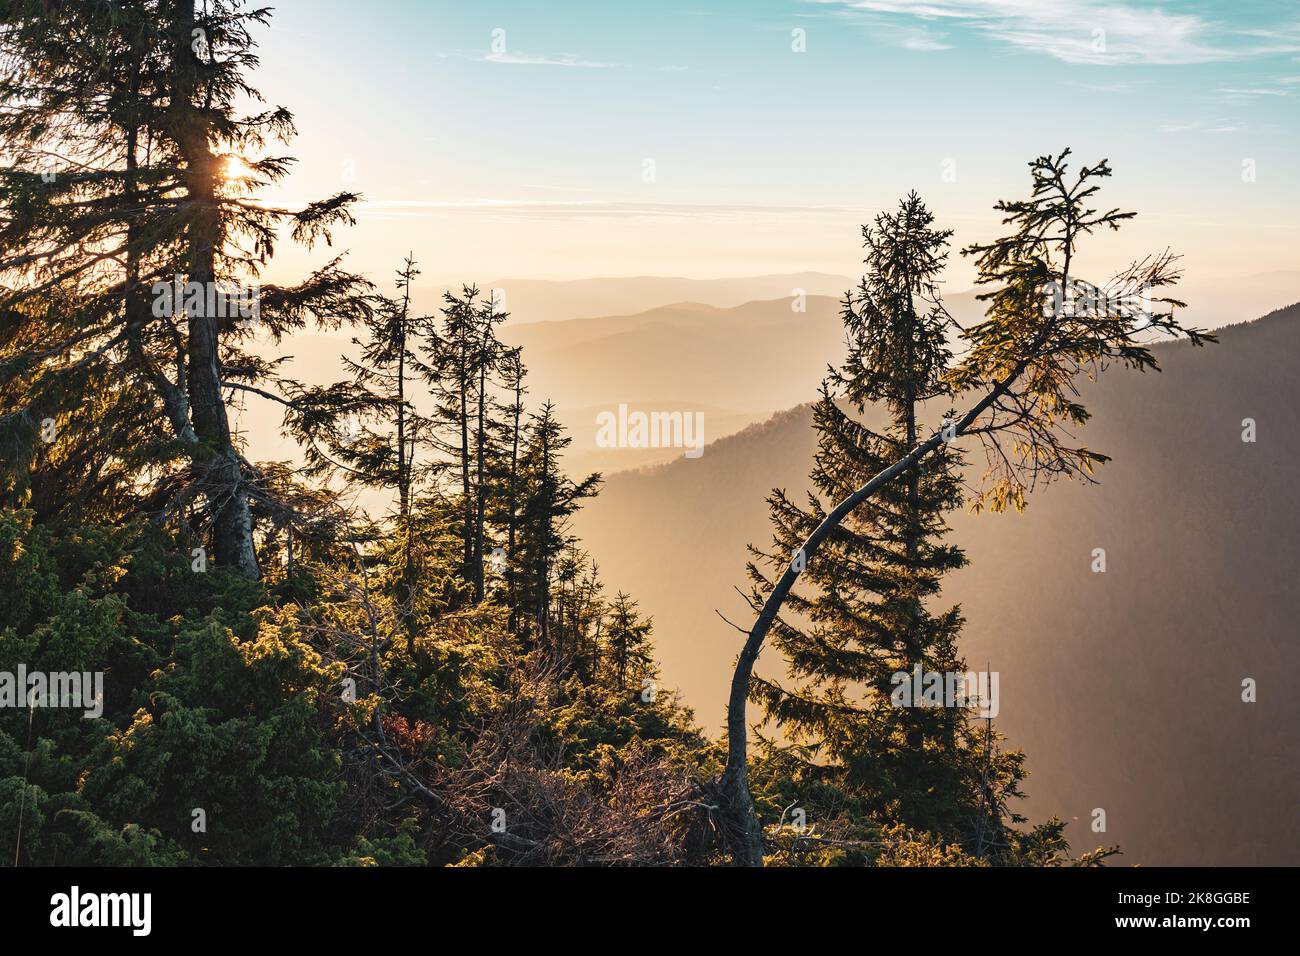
(513, 502)
(543, 559)
(467, 502)
(480, 491)
(405, 471)
(743, 829)
(222, 472)
(915, 733)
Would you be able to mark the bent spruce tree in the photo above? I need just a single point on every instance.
(1042, 328)
(863, 607)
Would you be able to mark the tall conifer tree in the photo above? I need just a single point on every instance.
(463, 357)
(549, 498)
(864, 612)
(134, 170)
(627, 644)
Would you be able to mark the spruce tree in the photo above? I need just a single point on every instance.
(577, 613)
(865, 610)
(379, 449)
(463, 355)
(508, 441)
(548, 499)
(133, 171)
(627, 644)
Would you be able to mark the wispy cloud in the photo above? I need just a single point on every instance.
(923, 42)
(547, 186)
(1202, 126)
(1116, 87)
(524, 59)
(1098, 32)
(592, 211)
(919, 38)
(1253, 91)
(520, 58)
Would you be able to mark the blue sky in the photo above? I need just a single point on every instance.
(511, 139)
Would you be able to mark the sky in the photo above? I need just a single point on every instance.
(708, 139)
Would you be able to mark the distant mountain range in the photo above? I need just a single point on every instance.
(752, 357)
(1123, 688)
(540, 300)
(1211, 300)
(734, 349)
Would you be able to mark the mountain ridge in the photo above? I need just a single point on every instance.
(1200, 532)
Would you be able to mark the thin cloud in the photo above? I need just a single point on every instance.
(1202, 126)
(524, 59)
(1116, 87)
(924, 43)
(520, 58)
(1257, 91)
(1095, 32)
(919, 38)
(577, 210)
(566, 189)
